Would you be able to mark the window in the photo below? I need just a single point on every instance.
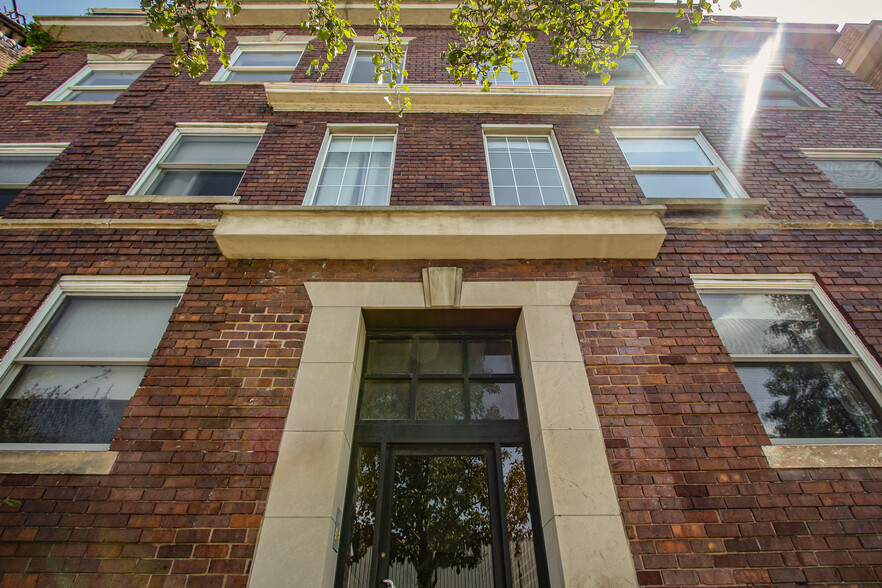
(20, 164)
(354, 167)
(441, 438)
(782, 90)
(778, 87)
(521, 65)
(808, 374)
(525, 167)
(99, 82)
(261, 62)
(857, 172)
(633, 70)
(201, 160)
(676, 162)
(360, 68)
(71, 373)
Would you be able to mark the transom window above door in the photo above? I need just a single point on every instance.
(441, 489)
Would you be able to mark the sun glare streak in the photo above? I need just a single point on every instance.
(755, 75)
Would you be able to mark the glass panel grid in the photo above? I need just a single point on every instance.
(818, 397)
(518, 64)
(524, 172)
(439, 378)
(852, 174)
(83, 403)
(356, 171)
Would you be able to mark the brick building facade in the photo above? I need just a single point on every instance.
(672, 230)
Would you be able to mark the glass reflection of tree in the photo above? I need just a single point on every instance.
(517, 503)
(811, 399)
(366, 479)
(442, 515)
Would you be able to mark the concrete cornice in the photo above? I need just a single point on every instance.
(130, 25)
(327, 97)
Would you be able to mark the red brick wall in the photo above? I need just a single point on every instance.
(111, 145)
(199, 440)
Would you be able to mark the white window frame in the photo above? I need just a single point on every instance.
(634, 51)
(530, 71)
(65, 90)
(350, 129)
(776, 70)
(847, 155)
(81, 286)
(860, 358)
(223, 73)
(29, 150)
(153, 169)
(528, 131)
(370, 45)
(728, 182)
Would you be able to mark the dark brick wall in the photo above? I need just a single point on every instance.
(111, 145)
(199, 440)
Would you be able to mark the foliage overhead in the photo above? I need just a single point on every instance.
(588, 35)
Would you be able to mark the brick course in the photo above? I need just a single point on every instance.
(199, 440)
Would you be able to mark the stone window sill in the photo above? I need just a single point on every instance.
(710, 204)
(166, 199)
(823, 456)
(73, 103)
(56, 462)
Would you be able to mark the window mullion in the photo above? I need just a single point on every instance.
(675, 168)
(203, 166)
(784, 358)
(83, 360)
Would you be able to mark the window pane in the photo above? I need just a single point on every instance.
(266, 59)
(852, 174)
(356, 171)
(527, 164)
(491, 357)
(440, 356)
(524, 572)
(105, 327)
(792, 100)
(441, 533)
(776, 84)
(197, 183)
(213, 149)
(871, 206)
(22, 170)
(519, 64)
(385, 400)
(663, 152)
(440, 401)
(494, 401)
(771, 324)
(67, 404)
(266, 76)
(810, 400)
(93, 95)
(364, 501)
(6, 197)
(363, 68)
(664, 185)
(109, 78)
(389, 357)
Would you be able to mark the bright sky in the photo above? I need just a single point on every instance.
(824, 11)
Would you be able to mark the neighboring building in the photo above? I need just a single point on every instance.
(12, 42)
(860, 49)
(258, 329)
